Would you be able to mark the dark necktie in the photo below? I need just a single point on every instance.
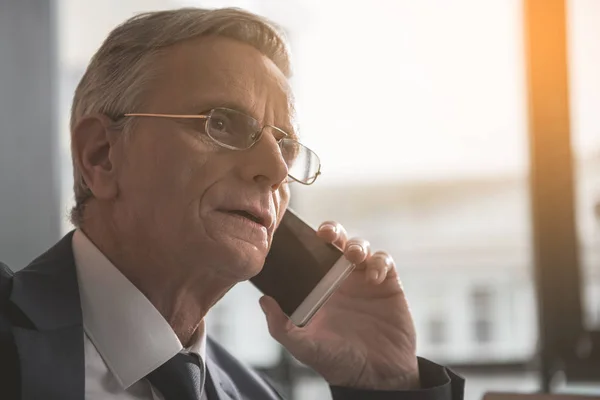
(180, 378)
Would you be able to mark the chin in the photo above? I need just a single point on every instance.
(244, 261)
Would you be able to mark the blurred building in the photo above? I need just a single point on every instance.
(463, 253)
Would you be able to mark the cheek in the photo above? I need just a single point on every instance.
(284, 201)
(163, 174)
(284, 197)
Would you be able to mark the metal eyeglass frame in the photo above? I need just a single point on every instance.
(207, 118)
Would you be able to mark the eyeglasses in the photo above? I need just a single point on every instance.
(235, 130)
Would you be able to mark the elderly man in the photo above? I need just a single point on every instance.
(182, 119)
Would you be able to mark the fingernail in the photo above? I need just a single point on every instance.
(330, 227)
(374, 275)
(355, 247)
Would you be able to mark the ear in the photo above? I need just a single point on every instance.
(93, 146)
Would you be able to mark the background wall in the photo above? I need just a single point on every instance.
(30, 212)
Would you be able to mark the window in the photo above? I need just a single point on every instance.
(436, 331)
(483, 312)
(434, 169)
(583, 17)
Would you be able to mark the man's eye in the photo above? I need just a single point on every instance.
(218, 125)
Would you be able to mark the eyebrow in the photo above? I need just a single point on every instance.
(231, 105)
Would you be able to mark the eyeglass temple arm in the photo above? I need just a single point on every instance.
(166, 115)
(206, 116)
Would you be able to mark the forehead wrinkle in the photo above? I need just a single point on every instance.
(227, 91)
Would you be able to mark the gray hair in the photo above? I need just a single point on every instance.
(118, 74)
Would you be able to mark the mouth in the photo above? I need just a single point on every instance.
(257, 219)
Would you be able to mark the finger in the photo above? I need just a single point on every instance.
(357, 251)
(285, 332)
(379, 266)
(333, 232)
(278, 323)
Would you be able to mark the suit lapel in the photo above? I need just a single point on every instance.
(52, 363)
(51, 352)
(218, 385)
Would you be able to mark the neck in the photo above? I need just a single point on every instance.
(182, 293)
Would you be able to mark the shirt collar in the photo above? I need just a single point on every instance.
(130, 334)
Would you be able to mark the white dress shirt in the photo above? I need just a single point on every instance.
(125, 338)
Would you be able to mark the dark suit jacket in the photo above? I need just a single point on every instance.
(41, 344)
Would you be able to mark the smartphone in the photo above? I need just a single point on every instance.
(301, 270)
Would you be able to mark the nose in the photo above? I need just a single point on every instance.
(263, 163)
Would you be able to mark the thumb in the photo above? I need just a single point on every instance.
(278, 323)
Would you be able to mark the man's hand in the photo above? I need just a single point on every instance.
(364, 336)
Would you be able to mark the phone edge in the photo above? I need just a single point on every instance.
(322, 292)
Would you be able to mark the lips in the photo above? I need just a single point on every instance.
(246, 214)
(253, 214)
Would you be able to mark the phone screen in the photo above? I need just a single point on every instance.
(297, 261)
